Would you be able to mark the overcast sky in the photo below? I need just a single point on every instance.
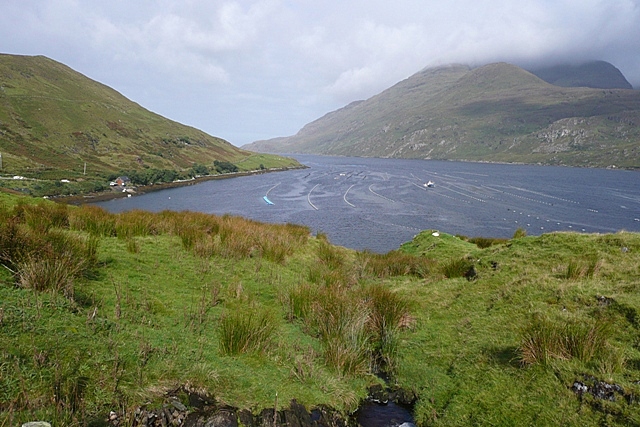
(256, 69)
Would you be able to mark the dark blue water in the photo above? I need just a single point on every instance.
(378, 204)
(372, 414)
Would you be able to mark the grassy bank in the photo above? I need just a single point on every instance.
(103, 312)
(77, 187)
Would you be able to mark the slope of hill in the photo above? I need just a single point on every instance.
(498, 112)
(136, 311)
(54, 119)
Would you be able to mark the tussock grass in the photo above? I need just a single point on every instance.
(136, 223)
(235, 237)
(358, 325)
(457, 267)
(341, 324)
(576, 270)
(42, 216)
(388, 313)
(394, 263)
(519, 233)
(246, 329)
(93, 220)
(544, 340)
(331, 256)
(42, 257)
(486, 242)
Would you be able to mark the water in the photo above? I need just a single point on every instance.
(372, 414)
(378, 204)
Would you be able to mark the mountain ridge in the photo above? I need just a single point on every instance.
(497, 112)
(593, 74)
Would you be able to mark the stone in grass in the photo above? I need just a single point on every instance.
(36, 424)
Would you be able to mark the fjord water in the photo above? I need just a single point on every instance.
(378, 204)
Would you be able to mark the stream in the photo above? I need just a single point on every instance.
(390, 414)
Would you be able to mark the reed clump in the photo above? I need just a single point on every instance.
(456, 267)
(395, 263)
(246, 329)
(93, 220)
(237, 238)
(357, 325)
(545, 340)
(136, 223)
(41, 253)
(577, 269)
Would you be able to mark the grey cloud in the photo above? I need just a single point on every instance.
(262, 68)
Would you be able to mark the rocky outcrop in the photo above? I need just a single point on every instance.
(191, 409)
(183, 407)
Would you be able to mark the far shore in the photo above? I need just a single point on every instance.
(119, 192)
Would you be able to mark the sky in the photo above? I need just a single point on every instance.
(256, 69)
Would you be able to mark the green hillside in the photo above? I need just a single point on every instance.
(136, 311)
(497, 112)
(53, 120)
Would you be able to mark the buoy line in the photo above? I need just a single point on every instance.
(345, 197)
(272, 189)
(380, 195)
(309, 197)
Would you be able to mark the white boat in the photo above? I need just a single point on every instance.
(430, 184)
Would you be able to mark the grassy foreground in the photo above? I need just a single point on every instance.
(103, 312)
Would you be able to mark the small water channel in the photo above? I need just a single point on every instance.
(372, 414)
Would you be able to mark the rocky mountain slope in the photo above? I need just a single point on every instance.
(498, 112)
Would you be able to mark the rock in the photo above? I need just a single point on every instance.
(300, 413)
(471, 273)
(199, 401)
(246, 418)
(378, 394)
(598, 389)
(222, 418)
(404, 397)
(177, 404)
(266, 418)
(579, 387)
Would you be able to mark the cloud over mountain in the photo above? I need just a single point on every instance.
(253, 69)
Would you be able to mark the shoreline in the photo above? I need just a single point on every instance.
(143, 189)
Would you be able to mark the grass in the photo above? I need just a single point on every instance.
(246, 329)
(544, 340)
(158, 301)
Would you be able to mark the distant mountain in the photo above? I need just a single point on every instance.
(593, 74)
(54, 119)
(498, 112)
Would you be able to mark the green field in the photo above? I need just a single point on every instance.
(102, 312)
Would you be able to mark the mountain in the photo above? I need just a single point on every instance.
(54, 119)
(594, 74)
(497, 112)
